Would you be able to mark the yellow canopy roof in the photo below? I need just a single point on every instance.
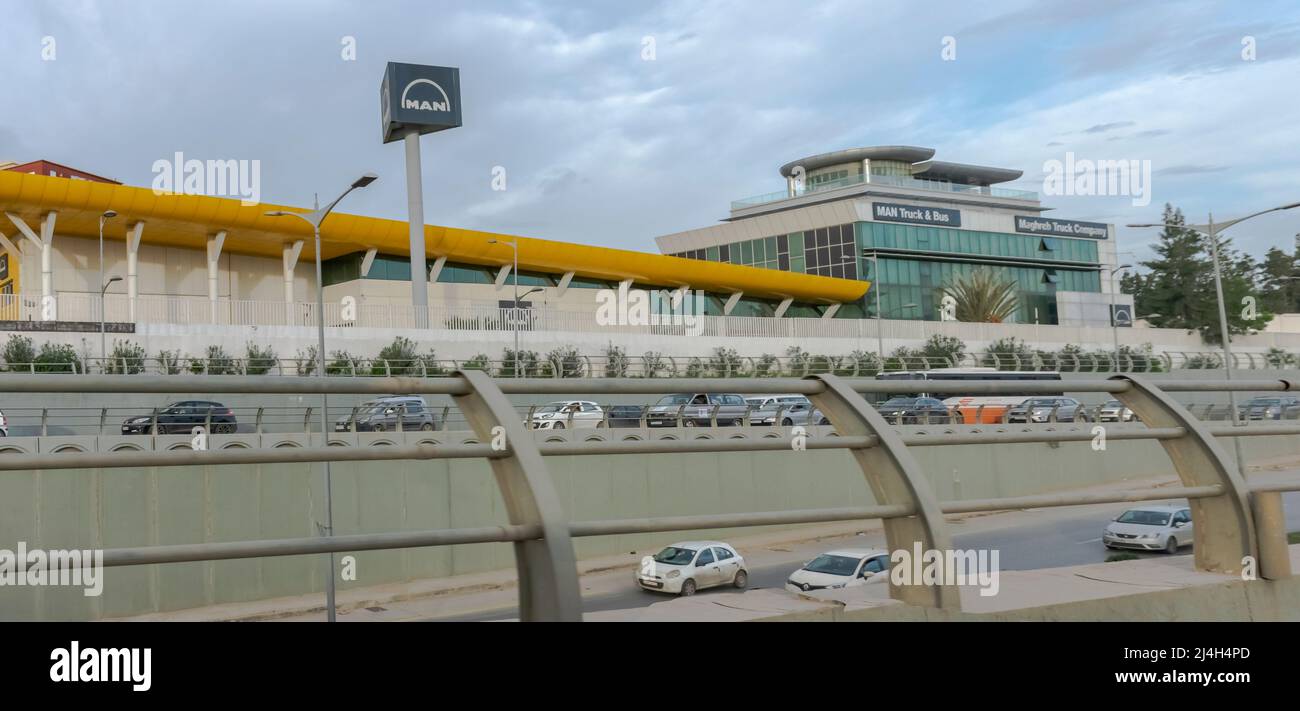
(187, 221)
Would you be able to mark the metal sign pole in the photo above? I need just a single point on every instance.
(415, 216)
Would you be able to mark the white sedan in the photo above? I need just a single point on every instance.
(1150, 528)
(683, 568)
(576, 414)
(844, 568)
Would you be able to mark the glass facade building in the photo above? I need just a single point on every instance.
(917, 261)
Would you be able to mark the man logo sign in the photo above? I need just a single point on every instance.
(416, 97)
(423, 105)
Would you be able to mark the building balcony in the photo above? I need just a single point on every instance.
(853, 181)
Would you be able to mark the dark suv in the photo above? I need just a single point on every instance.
(385, 414)
(182, 417)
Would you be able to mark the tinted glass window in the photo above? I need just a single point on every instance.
(723, 553)
(706, 557)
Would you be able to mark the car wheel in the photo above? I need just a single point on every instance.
(689, 423)
(558, 426)
(427, 427)
(688, 588)
(1171, 545)
(226, 429)
(601, 425)
(824, 421)
(741, 579)
(787, 422)
(379, 427)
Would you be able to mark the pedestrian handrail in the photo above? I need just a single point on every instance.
(1236, 522)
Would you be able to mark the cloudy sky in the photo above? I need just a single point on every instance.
(619, 121)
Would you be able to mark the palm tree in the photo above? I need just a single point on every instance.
(983, 297)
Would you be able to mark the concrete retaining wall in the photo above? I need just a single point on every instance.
(127, 507)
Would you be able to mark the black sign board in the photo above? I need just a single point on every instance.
(420, 97)
(1060, 228)
(1121, 315)
(893, 212)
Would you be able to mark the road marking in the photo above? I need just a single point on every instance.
(1090, 540)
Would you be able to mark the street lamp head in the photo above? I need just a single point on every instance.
(365, 180)
(1143, 224)
(113, 279)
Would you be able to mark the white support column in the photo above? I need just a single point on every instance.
(790, 187)
(502, 276)
(215, 243)
(563, 285)
(368, 261)
(289, 259)
(830, 310)
(731, 302)
(785, 304)
(133, 267)
(866, 170)
(436, 269)
(47, 255)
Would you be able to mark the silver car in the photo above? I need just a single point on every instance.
(1048, 409)
(1150, 528)
(697, 410)
(783, 410)
(1114, 411)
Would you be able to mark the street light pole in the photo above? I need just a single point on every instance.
(880, 333)
(1211, 231)
(1114, 323)
(315, 218)
(103, 290)
(107, 215)
(514, 311)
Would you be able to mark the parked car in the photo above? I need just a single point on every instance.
(1150, 528)
(625, 415)
(686, 567)
(1114, 411)
(575, 414)
(914, 410)
(844, 568)
(791, 409)
(697, 410)
(385, 413)
(1270, 407)
(1041, 409)
(182, 417)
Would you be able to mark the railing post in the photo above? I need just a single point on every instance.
(1270, 527)
(257, 425)
(547, 568)
(895, 479)
(1224, 534)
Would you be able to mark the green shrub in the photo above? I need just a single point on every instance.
(1008, 354)
(60, 358)
(259, 360)
(944, 350)
(169, 362)
(126, 359)
(342, 363)
(305, 363)
(767, 366)
(18, 352)
(862, 363)
(565, 362)
(216, 361)
(615, 362)
(653, 364)
(398, 358)
(478, 362)
(525, 362)
(724, 363)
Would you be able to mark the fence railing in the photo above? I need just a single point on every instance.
(574, 365)
(1236, 523)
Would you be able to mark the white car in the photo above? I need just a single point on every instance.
(1150, 528)
(576, 414)
(686, 567)
(843, 568)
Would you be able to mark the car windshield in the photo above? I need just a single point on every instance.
(675, 556)
(1145, 518)
(553, 407)
(832, 565)
(1264, 402)
(754, 401)
(370, 408)
(900, 402)
(674, 400)
(1112, 403)
(1042, 402)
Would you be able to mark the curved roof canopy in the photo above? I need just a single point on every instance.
(905, 154)
(964, 173)
(187, 221)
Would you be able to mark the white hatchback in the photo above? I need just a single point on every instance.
(685, 567)
(576, 414)
(844, 568)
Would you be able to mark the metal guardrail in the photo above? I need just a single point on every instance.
(576, 365)
(1235, 522)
